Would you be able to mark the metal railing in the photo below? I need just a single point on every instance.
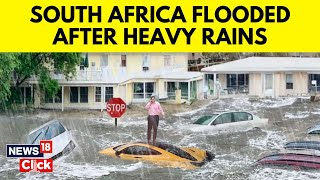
(110, 74)
(237, 89)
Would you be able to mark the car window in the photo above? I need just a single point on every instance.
(242, 116)
(54, 130)
(35, 137)
(205, 120)
(315, 132)
(61, 128)
(45, 133)
(175, 150)
(223, 118)
(139, 150)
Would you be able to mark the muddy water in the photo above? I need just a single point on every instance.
(235, 151)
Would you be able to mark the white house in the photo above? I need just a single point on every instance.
(265, 76)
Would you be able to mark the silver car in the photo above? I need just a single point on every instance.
(231, 121)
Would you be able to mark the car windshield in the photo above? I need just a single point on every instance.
(35, 137)
(45, 133)
(205, 120)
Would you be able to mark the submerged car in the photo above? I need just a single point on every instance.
(290, 159)
(62, 143)
(227, 121)
(303, 145)
(314, 133)
(161, 154)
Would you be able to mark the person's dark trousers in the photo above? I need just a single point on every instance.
(153, 122)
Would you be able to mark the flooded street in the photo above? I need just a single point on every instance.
(235, 151)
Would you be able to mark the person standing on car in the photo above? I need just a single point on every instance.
(154, 111)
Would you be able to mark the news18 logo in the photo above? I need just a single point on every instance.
(32, 156)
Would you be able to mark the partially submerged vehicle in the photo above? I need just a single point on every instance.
(303, 145)
(228, 121)
(161, 154)
(62, 142)
(290, 159)
(314, 133)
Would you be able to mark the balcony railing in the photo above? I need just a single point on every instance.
(111, 74)
(105, 74)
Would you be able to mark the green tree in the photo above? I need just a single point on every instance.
(37, 66)
(8, 62)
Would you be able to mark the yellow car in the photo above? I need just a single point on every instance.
(161, 154)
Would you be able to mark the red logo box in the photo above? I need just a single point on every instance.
(36, 165)
(45, 146)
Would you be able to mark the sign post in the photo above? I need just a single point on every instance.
(116, 107)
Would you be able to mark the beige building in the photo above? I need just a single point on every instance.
(133, 77)
(264, 76)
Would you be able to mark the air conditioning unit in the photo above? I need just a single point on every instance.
(145, 68)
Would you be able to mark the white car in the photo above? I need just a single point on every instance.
(62, 143)
(229, 121)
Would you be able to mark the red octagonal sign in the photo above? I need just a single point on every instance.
(116, 107)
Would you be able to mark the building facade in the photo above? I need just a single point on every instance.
(264, 77)
(133, 77)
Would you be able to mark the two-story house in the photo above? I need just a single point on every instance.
(134, 77)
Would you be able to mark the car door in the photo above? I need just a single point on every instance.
(222, 122)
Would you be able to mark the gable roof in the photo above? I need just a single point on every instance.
(267, 64)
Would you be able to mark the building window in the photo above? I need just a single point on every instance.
(145, 62)
(238, 83)
(108, 94)
(83, 94)
(123, 60)
(78, 94)
(232, 81)
(184, 90)
(104, 60)
(98, 94)
(138, 91)
(47, 98)
(149, 89)
(314, 82)
(171, 90)
(167, 60)
(289, 81)
(143, 90)
(56, 99)
(74, 95)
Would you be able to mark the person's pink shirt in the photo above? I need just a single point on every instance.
(154, 108)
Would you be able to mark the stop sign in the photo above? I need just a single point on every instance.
(116, 107)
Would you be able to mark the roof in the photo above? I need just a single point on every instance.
(267, 64)
(289, 158)
(303, 145)
(44, 125)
